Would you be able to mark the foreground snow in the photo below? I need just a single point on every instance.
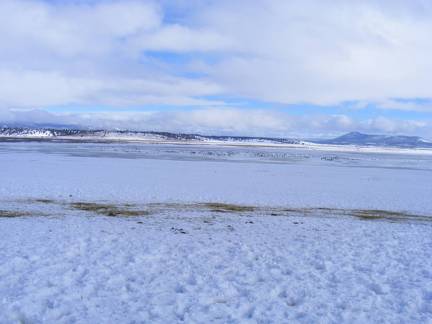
(169, 254)
(230, 268)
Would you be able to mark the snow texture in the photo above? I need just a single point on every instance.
(272, 263)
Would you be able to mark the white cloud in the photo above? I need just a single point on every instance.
(181, 39)
(71, 30)
(405, 105)
(88, 54)
(325, 52)
(30, 88)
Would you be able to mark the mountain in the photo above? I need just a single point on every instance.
(356, 138)
(75, 134)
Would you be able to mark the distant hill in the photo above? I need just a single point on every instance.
(24, 133)
(74, 134)
(356, 138)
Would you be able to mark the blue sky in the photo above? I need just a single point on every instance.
(267, 67)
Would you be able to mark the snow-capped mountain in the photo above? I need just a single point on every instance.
(356, 138)
(353, 138)
(52, 133)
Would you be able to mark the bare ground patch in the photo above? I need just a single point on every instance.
(228, 208)
(12, 213)
(108, 209)
(45, 201)
(375, 214)
(136, 209)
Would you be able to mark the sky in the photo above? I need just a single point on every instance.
(304, 68)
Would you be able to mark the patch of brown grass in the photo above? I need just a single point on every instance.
(297, 210)
(45, 201)
(108, 209)
(372, 214)
(228, 208)
(12, 213)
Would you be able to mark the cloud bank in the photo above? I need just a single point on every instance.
(221, 121)
(201, 54)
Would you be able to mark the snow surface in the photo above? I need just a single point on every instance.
(62, 265)
(253, 176)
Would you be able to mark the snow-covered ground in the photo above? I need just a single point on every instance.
(132, 233)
